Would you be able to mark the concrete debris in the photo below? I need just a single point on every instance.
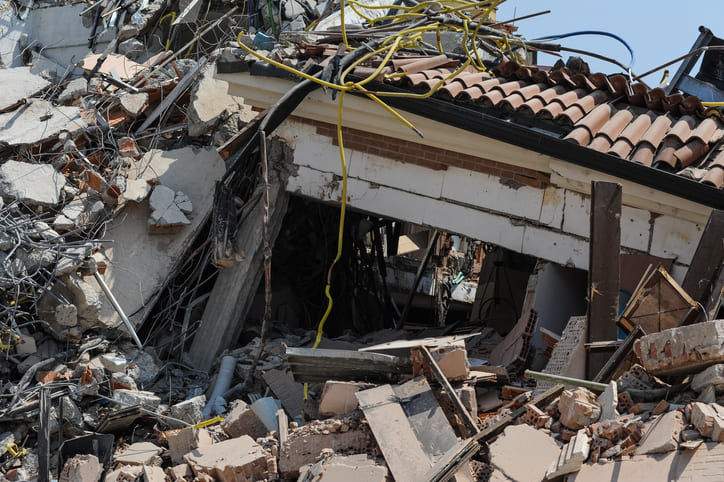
(145, 206)
(663, 434)
(139, 453)
(572, 457)
(686, 349)
(81, 468)
(579, 408)
(37, 184)
(235, 459)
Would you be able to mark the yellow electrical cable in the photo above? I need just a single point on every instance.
(713, 104)
(340, 233)
(344, 28)
(173, 19)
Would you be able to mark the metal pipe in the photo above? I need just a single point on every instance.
(576, 382)
(118, 308)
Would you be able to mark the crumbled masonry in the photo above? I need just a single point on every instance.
(219, 261)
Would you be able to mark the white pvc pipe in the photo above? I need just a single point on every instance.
(223, 382)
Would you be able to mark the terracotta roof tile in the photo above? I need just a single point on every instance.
(605, 113)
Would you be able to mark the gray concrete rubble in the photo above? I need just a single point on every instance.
(171, 236)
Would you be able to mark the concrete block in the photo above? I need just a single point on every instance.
(708, 419)
(663, 435)
(189, 411)
(572, 456)
(113, 363)
(338, 398)
(81, 468)
(232, 460)
(579, 408)
(241, 420)
(136, 190)
(35, 184)
(129, 398)
(26, 345)
(181, 442)
(140, 453)
(685, 349)
(452, 358)
(714, 375)
(209, 102)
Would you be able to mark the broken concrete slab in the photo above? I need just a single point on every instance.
(210, 101)
(452, 358)
(18, 84)
(608, 401)
(357, 467)
(36, 184)
(241, 420)
(686, 349)
(139, 262)
(579, 408)
(181, 442)
(230, 461)
(663, 435)
(139, 453)
(81, 468)
(180, 473)
(508, 458)
(39, 121)
(166, 217)
(136, 190)
(572, 456)
(713, 375)
(348, 435)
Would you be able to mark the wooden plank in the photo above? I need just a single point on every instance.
(393, 433)
(320, 365)
(283, 422)
(603, 268)
(289, 392)
(233, 292)
(462, 412)
(708, 259)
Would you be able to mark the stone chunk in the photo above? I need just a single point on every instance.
(572, 456)
(242, 420)
(714, 375)
(81, 468)
(181, 442)
(189, 411)
(136, 190)
(141, 453)
(151, 473)
(579, 408)
(129, 398)
(180, 473)
(232, 460)
(133, 104)
(663, 435)
(608, 401)
(708, 419)
(338, 398)
(685, 349)
(36, 184)
(350, 468)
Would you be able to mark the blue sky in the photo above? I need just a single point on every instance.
(657, 31)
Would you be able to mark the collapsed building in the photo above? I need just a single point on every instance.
(293, 241)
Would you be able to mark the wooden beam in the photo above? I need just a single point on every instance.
(234, 289)
(708, 259)
(319, 365)
(603, 268)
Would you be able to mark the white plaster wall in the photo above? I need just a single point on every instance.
(551, 223)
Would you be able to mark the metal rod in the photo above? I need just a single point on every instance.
(118, 308)
(44, 435)
(576, 382)
(418, 277)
